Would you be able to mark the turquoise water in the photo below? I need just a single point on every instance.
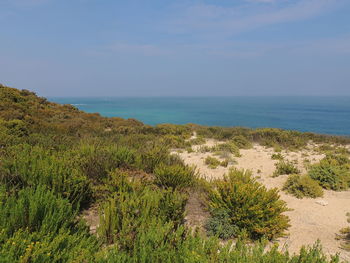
(328, 115)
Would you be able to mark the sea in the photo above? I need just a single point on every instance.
(325, 115)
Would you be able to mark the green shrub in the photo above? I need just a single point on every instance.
(175, 176)
(228, 146)
(224, 163)
(96, 161)
(338, 159)
(174, 141)
(272, 137)
(134, 210)
(152, 156)
(158, 242)
(35, 210)
(212, 162)
(189, 150)
(220, 225)
(197, 141)
(242, 142)
(285, 167)
(204, 149)
(277, 156)
(163, 246)
(38, 247)
(250, 206)
(27, 166)
(331, 175)
(302, 186)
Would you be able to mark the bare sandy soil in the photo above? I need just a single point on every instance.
(310, 220)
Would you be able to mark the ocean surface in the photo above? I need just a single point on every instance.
(327, 115)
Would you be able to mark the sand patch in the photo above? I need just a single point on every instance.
(310, 221)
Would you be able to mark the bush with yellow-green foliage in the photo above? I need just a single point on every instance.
(227, 147)
(302, 186)
(332, 172)
(135, 208)
(26, 166)
(175, 176)
(249, 206)
(285, 167)
(197, 141)
(277, 156)
(36, 225)
(242, 142)
(212, 162)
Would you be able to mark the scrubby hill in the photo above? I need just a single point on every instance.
(56, 161)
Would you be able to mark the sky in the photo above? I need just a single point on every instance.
(176, 48)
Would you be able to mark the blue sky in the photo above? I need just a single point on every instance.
(176, 48)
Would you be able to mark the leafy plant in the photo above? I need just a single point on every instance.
(242, 142)
(175, 176)
(220, 225)
(36, 210)
(27, 166)
(331, 173)
(277, 156)
(228, 147)
(250, 206)
(224, 163)
(198, 141)
(134, 210)
(302, 186)
(285, 167)
(212, 162)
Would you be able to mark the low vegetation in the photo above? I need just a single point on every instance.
(345, 235)
(277, 156)
(285, 167)
(302, 186)
(242, 142)
(175, 176)
(212, 162)
(229, 147)
(332, 172)
(57, 160)
(239, 202)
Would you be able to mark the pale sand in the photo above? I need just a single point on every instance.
(309, 221)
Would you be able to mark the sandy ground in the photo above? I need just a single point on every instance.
(309, 220)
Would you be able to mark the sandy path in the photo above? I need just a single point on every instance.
(309, 221)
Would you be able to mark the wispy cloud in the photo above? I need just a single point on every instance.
(210, 29)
